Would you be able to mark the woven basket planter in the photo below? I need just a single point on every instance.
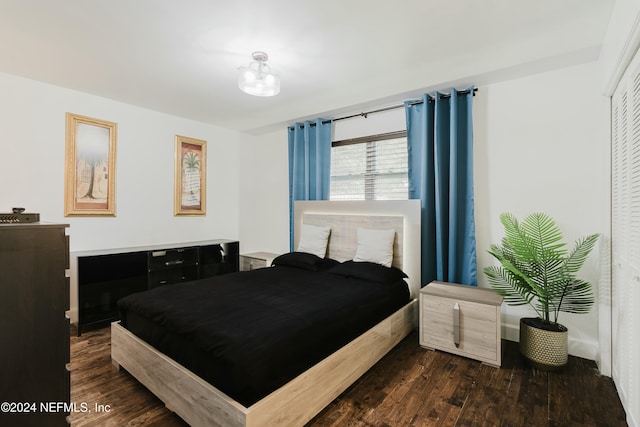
(544, 349)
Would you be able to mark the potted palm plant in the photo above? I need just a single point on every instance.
(536, 269)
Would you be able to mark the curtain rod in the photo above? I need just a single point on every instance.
(365, 114)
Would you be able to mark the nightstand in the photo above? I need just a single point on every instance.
(463, 320)
(256, 260)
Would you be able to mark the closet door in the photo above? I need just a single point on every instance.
(625, 233)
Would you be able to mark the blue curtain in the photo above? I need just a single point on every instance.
(440, 149)
(309, 163)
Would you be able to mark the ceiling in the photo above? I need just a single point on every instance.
(334, 57)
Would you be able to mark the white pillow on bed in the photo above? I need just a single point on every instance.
(313, 239)
(375, 246)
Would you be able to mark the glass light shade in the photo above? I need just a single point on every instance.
(258, 82)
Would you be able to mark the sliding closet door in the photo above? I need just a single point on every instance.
(625, 217)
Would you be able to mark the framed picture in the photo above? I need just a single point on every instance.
(190, 179)
(90, 166)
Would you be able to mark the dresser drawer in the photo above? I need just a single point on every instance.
(172, 258)
(461, 320)
(177, 274)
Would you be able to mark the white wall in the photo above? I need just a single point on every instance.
(386, 121)
(264, 201)
(32, 119)
(538, 147)
(541, 134)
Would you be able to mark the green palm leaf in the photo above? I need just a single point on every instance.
(536, 269)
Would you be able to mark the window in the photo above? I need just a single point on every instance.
(370, 168)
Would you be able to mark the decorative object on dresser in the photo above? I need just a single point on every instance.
(255, 260)
(462, 320)
(536, 269)
(34, 331)
(18, 215)
(103, 277)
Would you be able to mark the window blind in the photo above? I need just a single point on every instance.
(370, 168)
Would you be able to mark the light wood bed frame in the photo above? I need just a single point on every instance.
(298, 401)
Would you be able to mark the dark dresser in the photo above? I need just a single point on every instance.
(34, 330)
(103, 277)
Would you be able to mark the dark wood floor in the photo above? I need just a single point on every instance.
(409, 387)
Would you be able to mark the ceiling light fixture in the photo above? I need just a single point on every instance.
(257, 79)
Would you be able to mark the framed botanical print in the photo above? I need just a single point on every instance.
(90, 166)
(190, 176)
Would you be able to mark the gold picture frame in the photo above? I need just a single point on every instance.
(190, 176)
(90, 167)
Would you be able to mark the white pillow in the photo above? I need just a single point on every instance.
(375, 246)
(313, 239)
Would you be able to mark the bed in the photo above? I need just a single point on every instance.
(306, 385)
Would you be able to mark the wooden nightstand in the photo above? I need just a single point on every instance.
(256, 260)
(462, 320)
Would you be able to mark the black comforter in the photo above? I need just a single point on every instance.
(249, 333)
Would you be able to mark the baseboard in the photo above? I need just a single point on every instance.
(72, 314)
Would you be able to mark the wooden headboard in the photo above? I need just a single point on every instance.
(345, 217)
